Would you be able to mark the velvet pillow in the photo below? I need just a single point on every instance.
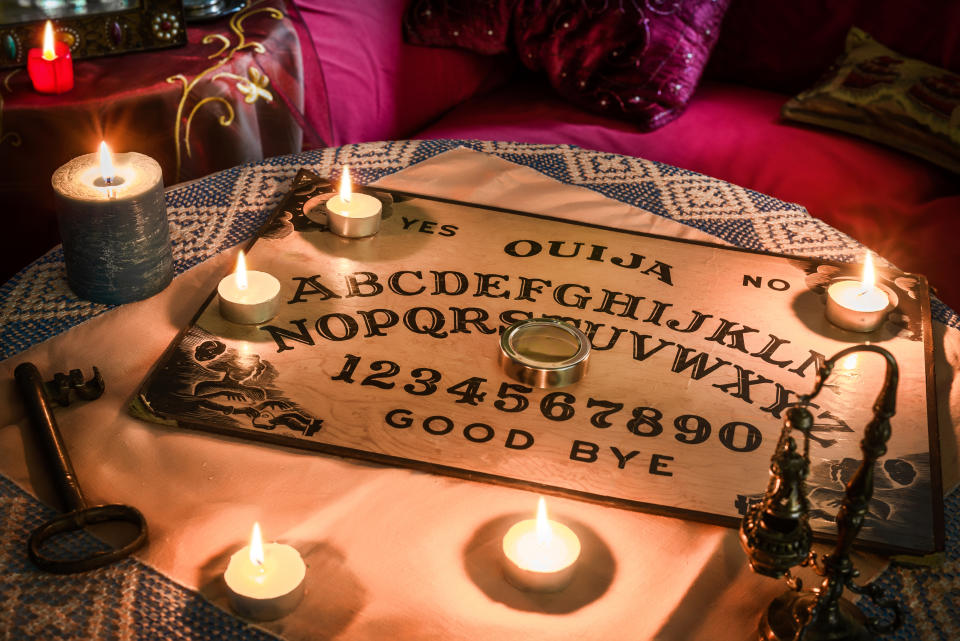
(637, 59)
(378, 87)
(878, 94)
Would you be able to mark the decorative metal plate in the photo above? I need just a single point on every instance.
(142, 26)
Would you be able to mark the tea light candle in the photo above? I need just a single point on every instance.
(248, 297)
(858, 306)
(353, 215)
(113, 223)
(264, 582)
(51, 68)
(539, 554)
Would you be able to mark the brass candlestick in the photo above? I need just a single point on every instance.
(776, 535)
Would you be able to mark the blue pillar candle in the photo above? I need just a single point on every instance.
(113, 224)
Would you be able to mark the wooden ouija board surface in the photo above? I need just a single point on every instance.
(386, 348)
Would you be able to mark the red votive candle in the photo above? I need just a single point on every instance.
(50, 68)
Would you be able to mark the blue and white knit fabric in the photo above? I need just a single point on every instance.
(126, 600)
(219, 211)
(132, 601)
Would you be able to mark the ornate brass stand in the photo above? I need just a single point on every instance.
(775, 532)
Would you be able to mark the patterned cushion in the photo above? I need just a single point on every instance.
(785, 46)
(881, 95)
(640, 60)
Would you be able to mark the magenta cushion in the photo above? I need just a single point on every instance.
(636, 60)
(899, 206)
(785, 46)
(377, 86)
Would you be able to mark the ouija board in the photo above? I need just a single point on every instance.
(386, 349)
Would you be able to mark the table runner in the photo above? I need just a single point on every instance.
(239, 189)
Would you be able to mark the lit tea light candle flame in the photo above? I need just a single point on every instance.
(869, 279)
(241, 273)
(265, 581)
(858, 306)
(345, 184)
(540, 554)
(49, 52)
(544, 531)
(256, 546)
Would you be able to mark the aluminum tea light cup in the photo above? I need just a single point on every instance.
(859, 305)
(544, 352)
(353, 215)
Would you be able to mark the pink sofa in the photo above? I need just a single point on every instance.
(907, 209)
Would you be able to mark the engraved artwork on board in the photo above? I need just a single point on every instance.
(206, 381)
(901, 480)
(901, 486)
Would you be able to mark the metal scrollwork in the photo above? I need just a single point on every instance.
(776, 537)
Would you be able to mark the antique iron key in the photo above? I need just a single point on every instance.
(36, 396)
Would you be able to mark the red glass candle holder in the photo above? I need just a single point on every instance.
(51, 76)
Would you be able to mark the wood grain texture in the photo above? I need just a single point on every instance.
(697, 350)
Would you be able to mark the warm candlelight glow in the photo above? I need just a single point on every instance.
(241, 273)
(544, 531)
(345, 186)
(256, 546)
(248, 297)
(540, 554)
(869, 279)
(49, 53)
(850, 362)
(264, 580)
(351, 215)
(858, 306)
(50, 66)
(106, 163)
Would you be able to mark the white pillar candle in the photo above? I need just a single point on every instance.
(264, 581)
(353, 215)
(540, 555)
(248, 297)
(858, 306)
